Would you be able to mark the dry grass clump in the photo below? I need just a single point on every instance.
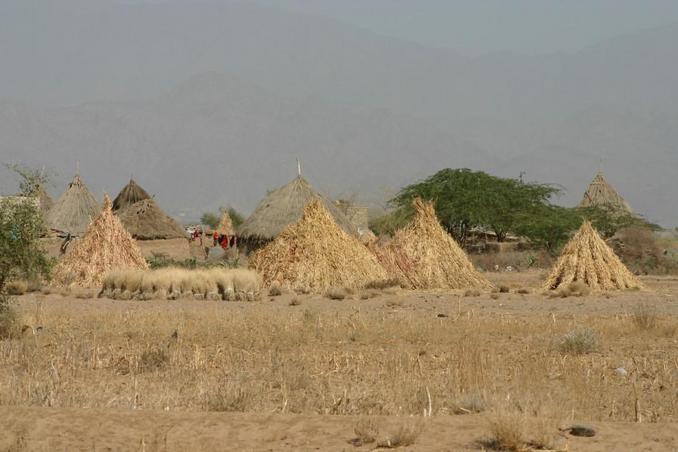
(317, 254)
(516, 432)
(106, 246)
(645, 317)
(579, 342)
(424, 256)
(274, 291)
(406, 435)
(366, 432)
(18, 287)
(336, 293)
(383, 284)
(470, 403)
(587, 259)
(174, 283)
(229, 398)
(573, 289)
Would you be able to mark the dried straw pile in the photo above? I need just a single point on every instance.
(175, 283)
(424, 256)
(316, 254)
(225, 226)
(587, 259)
(106, 246)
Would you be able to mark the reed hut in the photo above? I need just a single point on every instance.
(423, 255)
(105, 246)
(130, 194)
(589, 260)
(74, 210)
(145, 220)
(601, 194)
(316, 254)
(283, 207)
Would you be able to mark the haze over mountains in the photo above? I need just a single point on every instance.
(210, 104)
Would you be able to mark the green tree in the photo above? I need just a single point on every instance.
(548, 226)
(210, 219)
(32, 180)
(465, 199)
(608, 221)
(236, 218)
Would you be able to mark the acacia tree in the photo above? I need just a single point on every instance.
(465, 199)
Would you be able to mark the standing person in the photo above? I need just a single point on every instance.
(215, 238)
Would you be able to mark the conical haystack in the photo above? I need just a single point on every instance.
(587, 259)
(106, 246)
(316, 254)
(145, 220)
(130, 194)
(423, 255)
(225, 226)
(601, 194)
(283, 207)
(74, 210)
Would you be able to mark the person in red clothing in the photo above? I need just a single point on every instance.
(224, 242)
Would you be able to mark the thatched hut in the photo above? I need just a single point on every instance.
(130, 194)
(145, 220)
(105, 246)
(423, 255)
(74, 210)
(315, 254)
(601, 194)
(283, 207)
(589, 260)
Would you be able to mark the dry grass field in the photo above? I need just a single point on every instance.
(379, 368)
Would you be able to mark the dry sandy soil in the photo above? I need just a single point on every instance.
(303, 372)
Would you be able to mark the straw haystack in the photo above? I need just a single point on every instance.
(316, 254)
(105, 246)
(423, 255)
(225, 226)
(587, 259)
(145, 220)
(601, 194)
(74, 210)
(130, 194)
(283, 207)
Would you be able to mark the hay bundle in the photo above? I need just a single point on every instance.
(424, 256)
(130, 194)
(225, 226)
(106, 246)
(587, 259)
(74, 210)
(145, 220)
(316, 254)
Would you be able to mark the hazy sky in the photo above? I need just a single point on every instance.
(481, 26)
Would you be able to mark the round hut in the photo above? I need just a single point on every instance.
(601, 194)
(74, 210)
(130, 194)
(145, 220)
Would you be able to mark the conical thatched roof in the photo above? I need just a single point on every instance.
(423, 255)
(285, 206)
(105, 246)
(587, 259)
(145, 220)
(601, 194)
(316, 254)
(74, 210)
(130, 194)
(225, 226)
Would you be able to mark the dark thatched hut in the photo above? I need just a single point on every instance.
(130, 194)
(74, 210)
(145, 220)
(283, 207)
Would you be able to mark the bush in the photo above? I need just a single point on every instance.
(153, 359)
(644, 317)
(335, 293)
(19, 287)
(382, 284)
(579, 342)
(574, 289)
(9, 322)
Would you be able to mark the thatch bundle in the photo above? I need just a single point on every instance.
(601, 194)
(106, 246)
(173, 283)
(74, 210)
(130, 194)
(145, 220)
(587, 259)
(283, 207)
(225, 226)
(315, 254)
(423, 255)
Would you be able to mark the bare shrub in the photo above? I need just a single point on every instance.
(517, 433)
(366, 431)
(406, 434)
(470, 403)
(504, 289)
(9, 322)
(645, 317)
(579, 342)
(18, 287)
(382, 284)
(472, 293)
(153, 359)
(335, 293)
(229, 399)
(275, 291)
(295, 302)
(574, 289)
(523, 291)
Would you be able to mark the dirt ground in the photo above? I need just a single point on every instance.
(63, 387)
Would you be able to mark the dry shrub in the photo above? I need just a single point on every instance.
(470, 403)
(645, 317)
(504, 289)
(579, 342)
(295, 302)
(523, 291)
(587, 259)
(641, 250)
(153, 359)
(472, 293)
(229, 398)
(366, 431)
(336, 293)
(274, 291)
(424, 256)
(9, 321)
(494, 296)
(574, 289)
(382, 284)
(18, 287)
(405, 435)
(106, 246)
(518, 433)
(316, 253)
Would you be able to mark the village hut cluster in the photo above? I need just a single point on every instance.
(298, 239)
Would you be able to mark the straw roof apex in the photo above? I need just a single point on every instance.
(601, 193)
(129, 194)
(74, 210)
